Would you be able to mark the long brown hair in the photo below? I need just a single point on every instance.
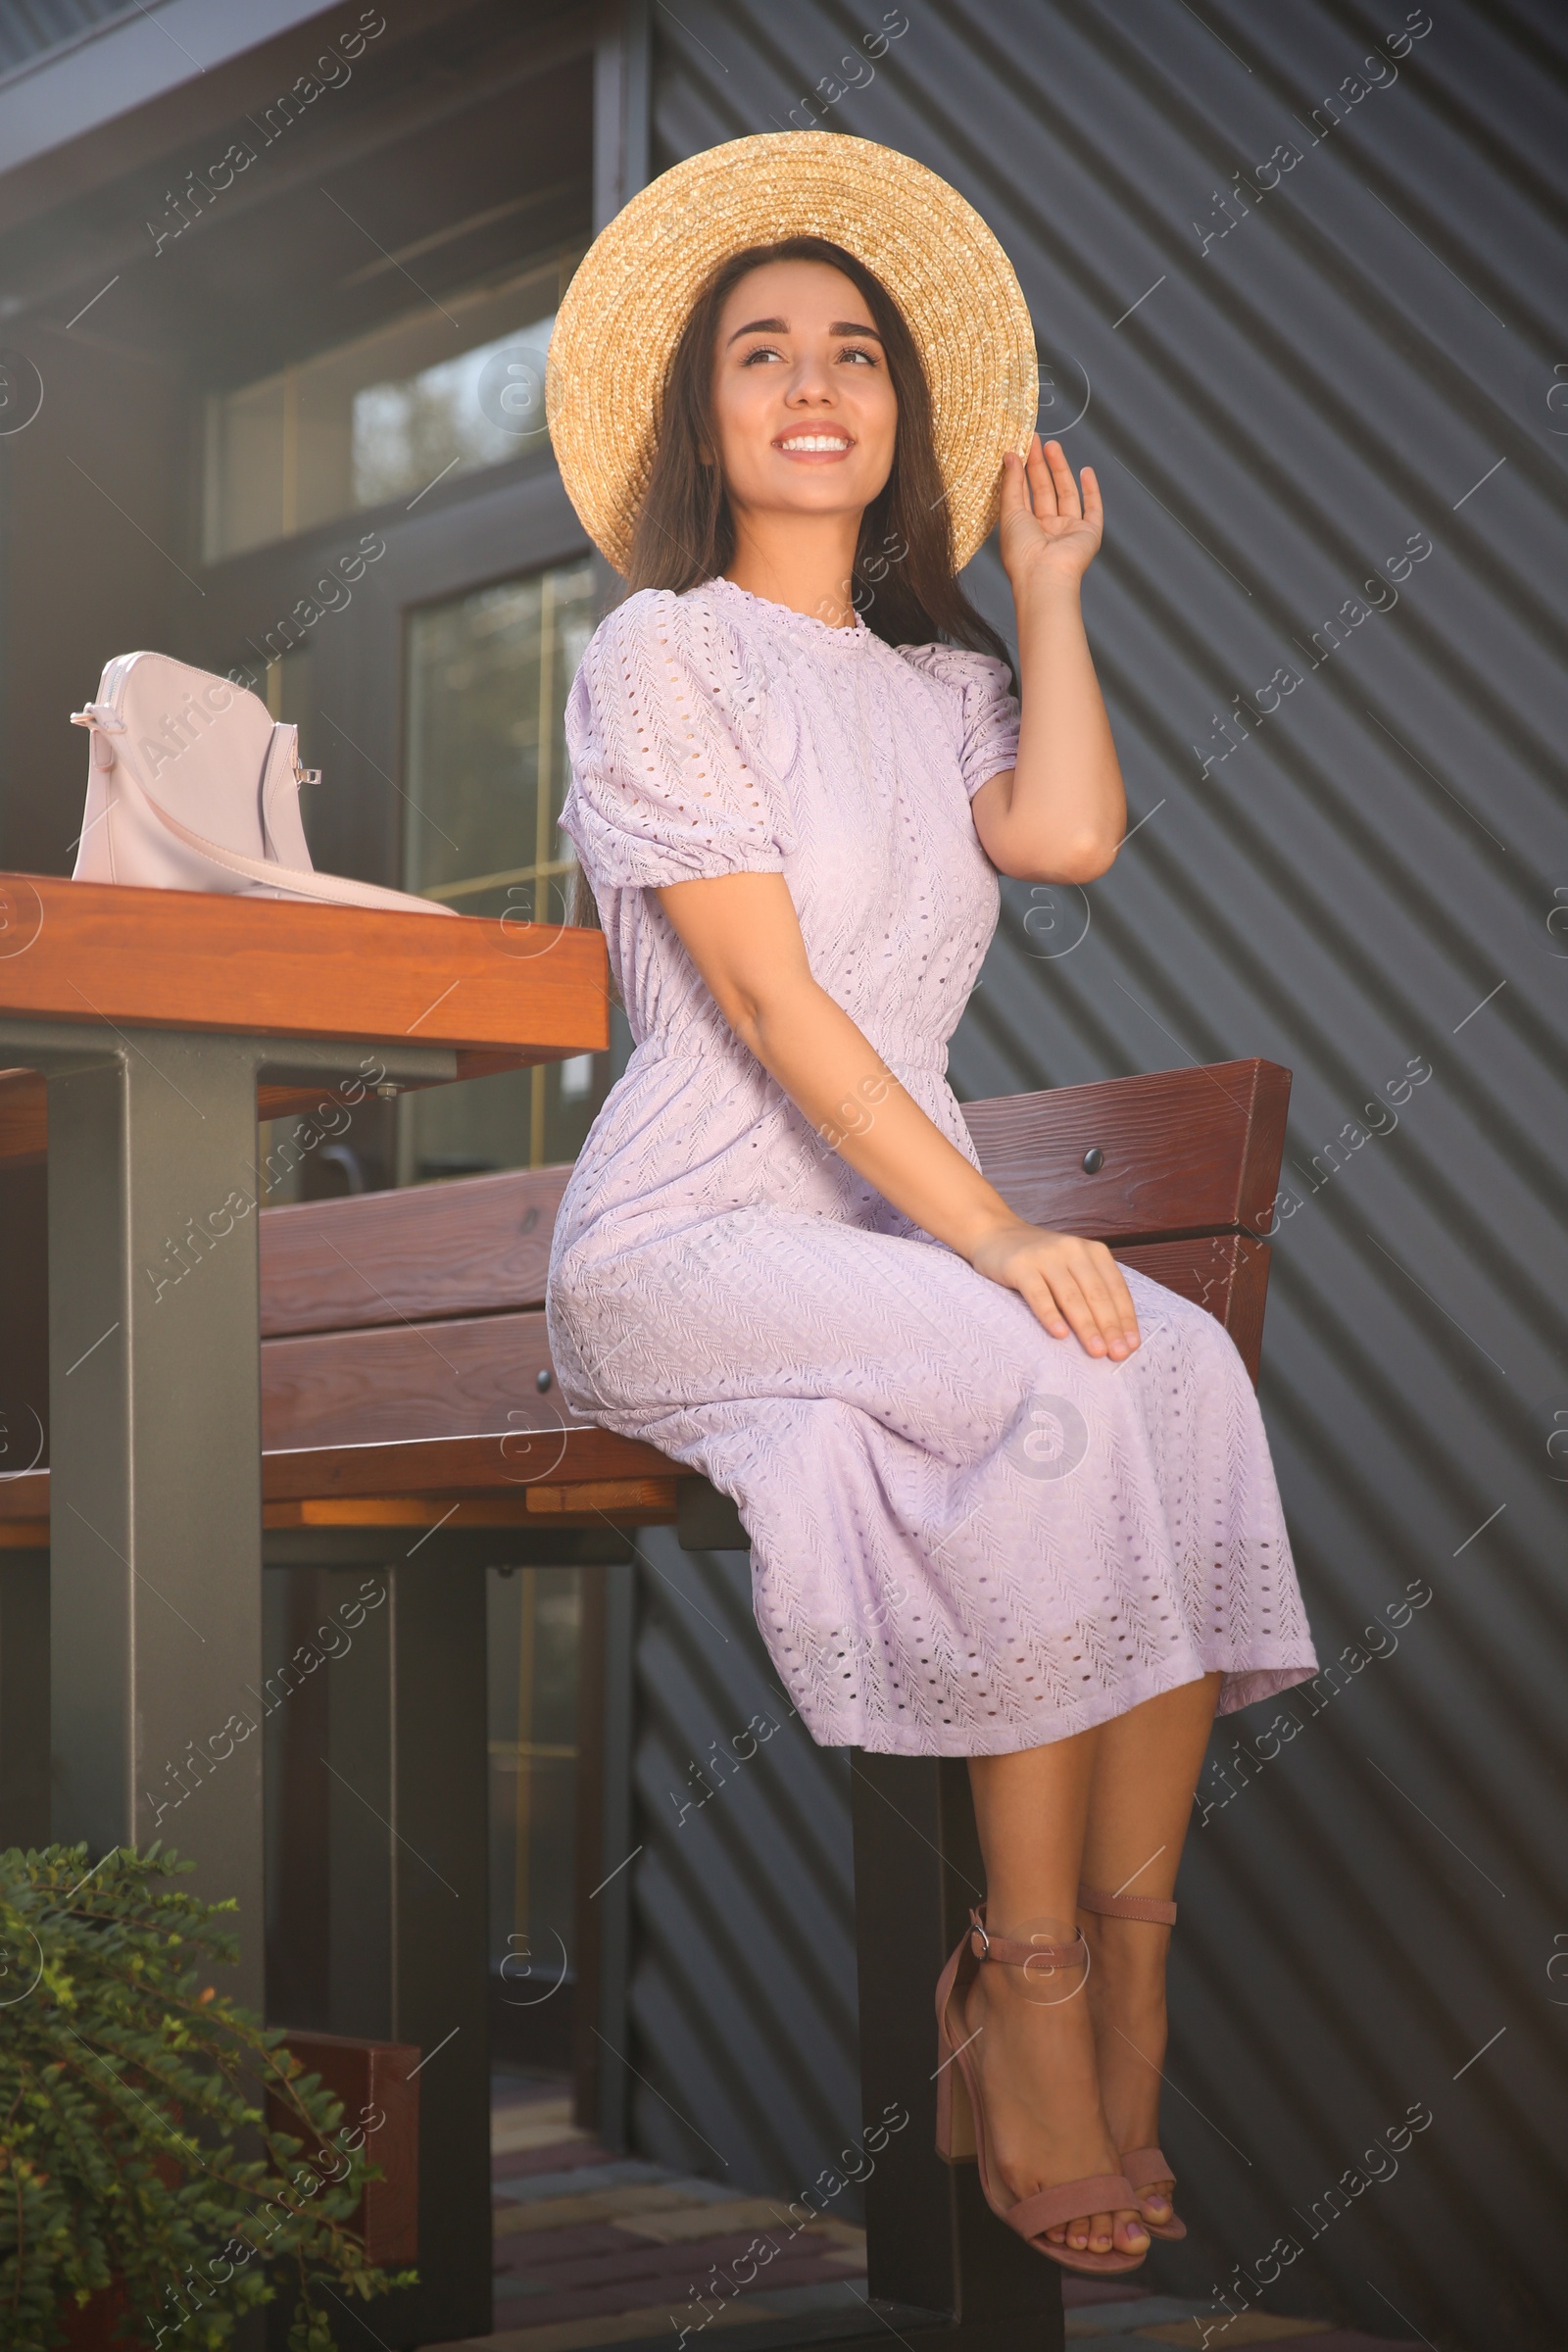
(903, 581)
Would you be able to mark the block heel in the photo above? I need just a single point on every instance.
(956, 2139)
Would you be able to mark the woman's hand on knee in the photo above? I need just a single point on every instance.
(1072, 1285)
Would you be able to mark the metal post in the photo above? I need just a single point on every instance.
(156, 1460)
(24, 1699)
(358, 1804)
(612, 1897)
(622, 105)
(932, 2242)
(405, 1920)
(440, 1932)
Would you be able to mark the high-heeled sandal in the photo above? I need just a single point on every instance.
(962, 2124)
(1141, 2166)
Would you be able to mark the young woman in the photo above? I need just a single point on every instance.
(1006, 1499)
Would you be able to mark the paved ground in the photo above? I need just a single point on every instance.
(597, 2250)
(1111, 2315)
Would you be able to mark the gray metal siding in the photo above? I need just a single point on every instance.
(1362, 877)
(33, 30)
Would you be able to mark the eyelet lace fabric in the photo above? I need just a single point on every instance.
(968, 1537)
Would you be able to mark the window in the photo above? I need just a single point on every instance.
(440, 390)
(485, 778)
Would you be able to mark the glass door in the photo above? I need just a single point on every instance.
(484, 781)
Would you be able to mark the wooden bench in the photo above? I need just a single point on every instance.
(406, 1367)
(410, 1415)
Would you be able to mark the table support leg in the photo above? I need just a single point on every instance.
(24, 1699)
(440, 1934)
(156, 1535)
(932, 2240)
(399, 1919)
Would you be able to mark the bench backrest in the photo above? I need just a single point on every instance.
(399, 1315)
(391, 1316)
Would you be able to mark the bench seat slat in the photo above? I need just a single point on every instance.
(443, 1469)
(478, 1375)
(455, 1467)
(459, 1379)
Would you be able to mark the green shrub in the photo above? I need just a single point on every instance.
(135, 2143)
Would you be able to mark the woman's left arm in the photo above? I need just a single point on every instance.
(1060, 813)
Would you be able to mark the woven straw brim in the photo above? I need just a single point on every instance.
(633, 292)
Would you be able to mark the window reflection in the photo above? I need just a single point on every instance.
(441, 391)
(478, 410)
(488, 674)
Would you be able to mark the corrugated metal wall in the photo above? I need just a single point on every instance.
(32, 30)
(1297, 273)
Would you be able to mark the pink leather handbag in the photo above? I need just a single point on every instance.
(192, 786)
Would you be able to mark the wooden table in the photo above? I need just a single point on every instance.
(161, 1022)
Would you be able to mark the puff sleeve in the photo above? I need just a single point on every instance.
(661, 724)
(987, 711)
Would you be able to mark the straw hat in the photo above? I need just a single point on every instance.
(624, 312)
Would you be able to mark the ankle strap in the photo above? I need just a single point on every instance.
(1127, 1907)
(1043, 1957)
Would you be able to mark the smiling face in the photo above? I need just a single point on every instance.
(803, 404)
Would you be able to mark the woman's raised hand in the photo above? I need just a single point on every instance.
(1046, 528)
(1072, 1285)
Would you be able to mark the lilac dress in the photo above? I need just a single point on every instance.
(968, 1537)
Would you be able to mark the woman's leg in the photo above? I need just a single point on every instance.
(1035, 2051)
(1146, 1768)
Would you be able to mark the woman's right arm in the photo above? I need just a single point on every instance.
(742, 933)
